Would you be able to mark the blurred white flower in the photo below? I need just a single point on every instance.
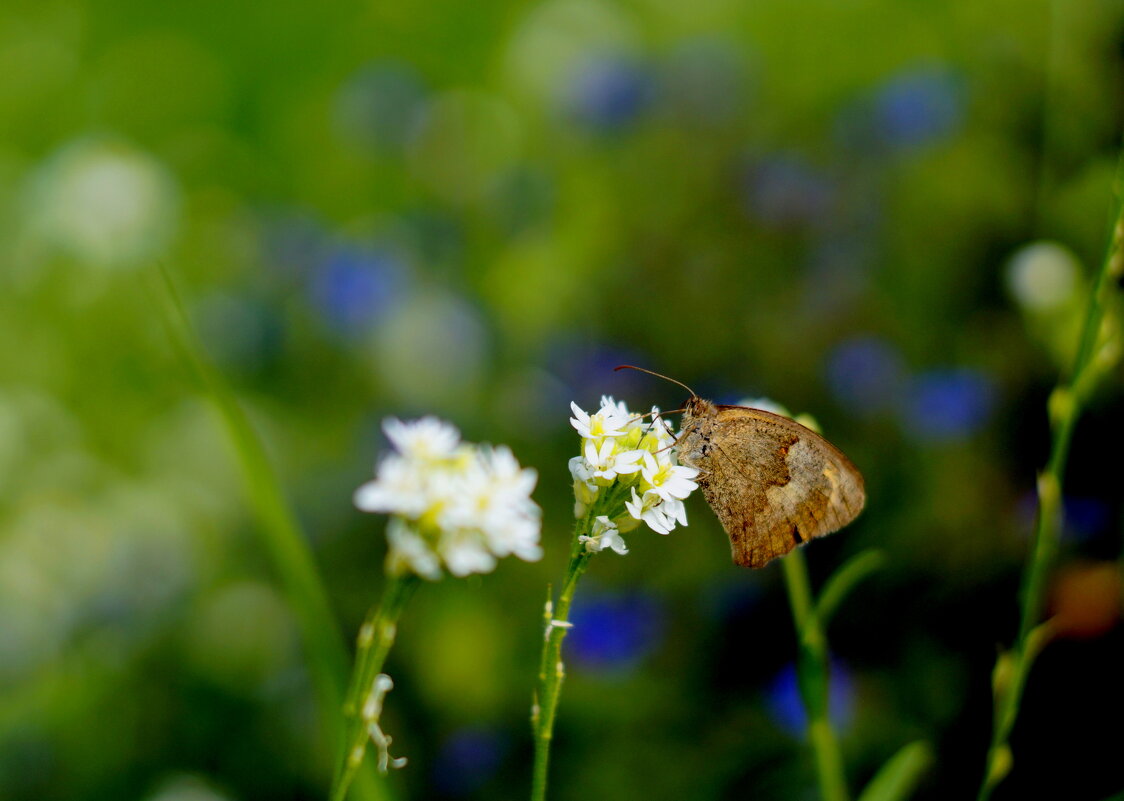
(427, 438)
(769, 405)
(104, 203)
(1043, 276)
(626, 474)
(453, 505)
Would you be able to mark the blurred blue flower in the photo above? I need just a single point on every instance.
(609, 93)
(467, 759)
(948, 404)
(586, 369)
(910, 110)
(918, 107)
(1086, 517)
(786, 709)
(784, 190)
(613, 632)
(379, 105)
(865, 375)
(353, 284)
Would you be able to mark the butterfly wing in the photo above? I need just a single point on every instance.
(775, 484)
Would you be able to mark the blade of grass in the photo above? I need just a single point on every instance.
(280, 536)
(901, 774)
(843, 580)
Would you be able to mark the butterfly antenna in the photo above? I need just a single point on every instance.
(657, 375)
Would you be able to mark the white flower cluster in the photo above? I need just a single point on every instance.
(627, 474)
(452, 504)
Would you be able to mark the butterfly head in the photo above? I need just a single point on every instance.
(695, 406)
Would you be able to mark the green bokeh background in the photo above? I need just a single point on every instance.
(476, 210)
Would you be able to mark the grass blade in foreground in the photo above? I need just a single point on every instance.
(280, 536)
(1065, 406)
(901, 774)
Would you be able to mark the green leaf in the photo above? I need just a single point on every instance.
(901, 774)
(844, 579)
(279, 533)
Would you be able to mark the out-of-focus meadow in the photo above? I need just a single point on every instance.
(885, 214)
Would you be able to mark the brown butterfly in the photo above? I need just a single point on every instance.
(772, 482)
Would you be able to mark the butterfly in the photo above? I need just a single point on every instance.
(773, 483)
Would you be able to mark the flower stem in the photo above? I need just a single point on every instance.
(1065, 407)
(812, 675)
(376, 636)
(551, 670)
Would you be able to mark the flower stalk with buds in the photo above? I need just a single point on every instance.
(453, 507)
(625, 476)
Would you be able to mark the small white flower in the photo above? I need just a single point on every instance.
(610, 420)
(649, 509)
(605, 535)
(667, 480)
(426, 439)
(607, 465)
(675, 511)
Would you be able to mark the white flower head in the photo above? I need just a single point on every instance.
(453, 506)
(626, 474)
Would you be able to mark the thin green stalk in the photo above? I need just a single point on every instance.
(280, 535)
(1066, 404)
(376, 637)
(812, 674)
(551, 671)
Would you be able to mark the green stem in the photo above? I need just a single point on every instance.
(1065, 407)
(551, 671)
(376, 637)
(813, 678)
